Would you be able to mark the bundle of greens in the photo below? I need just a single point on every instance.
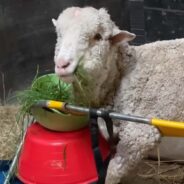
(50, 87)
(47, 87)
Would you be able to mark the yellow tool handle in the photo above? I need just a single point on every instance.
(55, 105)
(62, 107)
(169, 128)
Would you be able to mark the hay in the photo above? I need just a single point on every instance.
(154, 172)
(10, 131)
(82, 87)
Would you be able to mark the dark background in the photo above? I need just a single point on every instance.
(27, 36)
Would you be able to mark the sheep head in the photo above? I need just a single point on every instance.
(87, 37)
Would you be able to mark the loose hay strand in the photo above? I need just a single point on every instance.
(158, 156)
(167, 173)
(4, 89)
(82, 86)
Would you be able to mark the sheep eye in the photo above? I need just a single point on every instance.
(97, 37)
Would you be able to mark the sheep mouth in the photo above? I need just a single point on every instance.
(68, 71)
(66, 65)
(65, 70)
(67, 78)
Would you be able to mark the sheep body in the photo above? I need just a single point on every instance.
(152, 87)
(155, 85)
(143, 80)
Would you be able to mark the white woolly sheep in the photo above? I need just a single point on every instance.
(143, 80)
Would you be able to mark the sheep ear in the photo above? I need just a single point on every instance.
(123, 36)
(54, 21)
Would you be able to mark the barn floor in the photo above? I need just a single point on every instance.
(149, 171)
(10, 131)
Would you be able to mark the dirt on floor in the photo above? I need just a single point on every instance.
(149, 171)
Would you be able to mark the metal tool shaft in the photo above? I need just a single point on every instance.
(113, 115)
(73, 109)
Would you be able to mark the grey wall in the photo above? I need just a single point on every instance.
(27, 37)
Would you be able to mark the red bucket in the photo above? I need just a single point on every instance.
(49, 157)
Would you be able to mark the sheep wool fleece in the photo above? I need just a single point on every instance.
(145, 80)
(152, 85)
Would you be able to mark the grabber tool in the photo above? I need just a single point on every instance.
(166, 127)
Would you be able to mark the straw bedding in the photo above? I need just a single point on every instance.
(10, 131)
(154, 172)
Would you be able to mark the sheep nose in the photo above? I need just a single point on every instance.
(62, 64)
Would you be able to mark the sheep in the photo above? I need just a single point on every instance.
(145, 80)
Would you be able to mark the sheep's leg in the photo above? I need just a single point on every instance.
(136, 140)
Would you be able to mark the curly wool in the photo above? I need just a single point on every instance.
(143, 80)
(135, 142)
(152, 87)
